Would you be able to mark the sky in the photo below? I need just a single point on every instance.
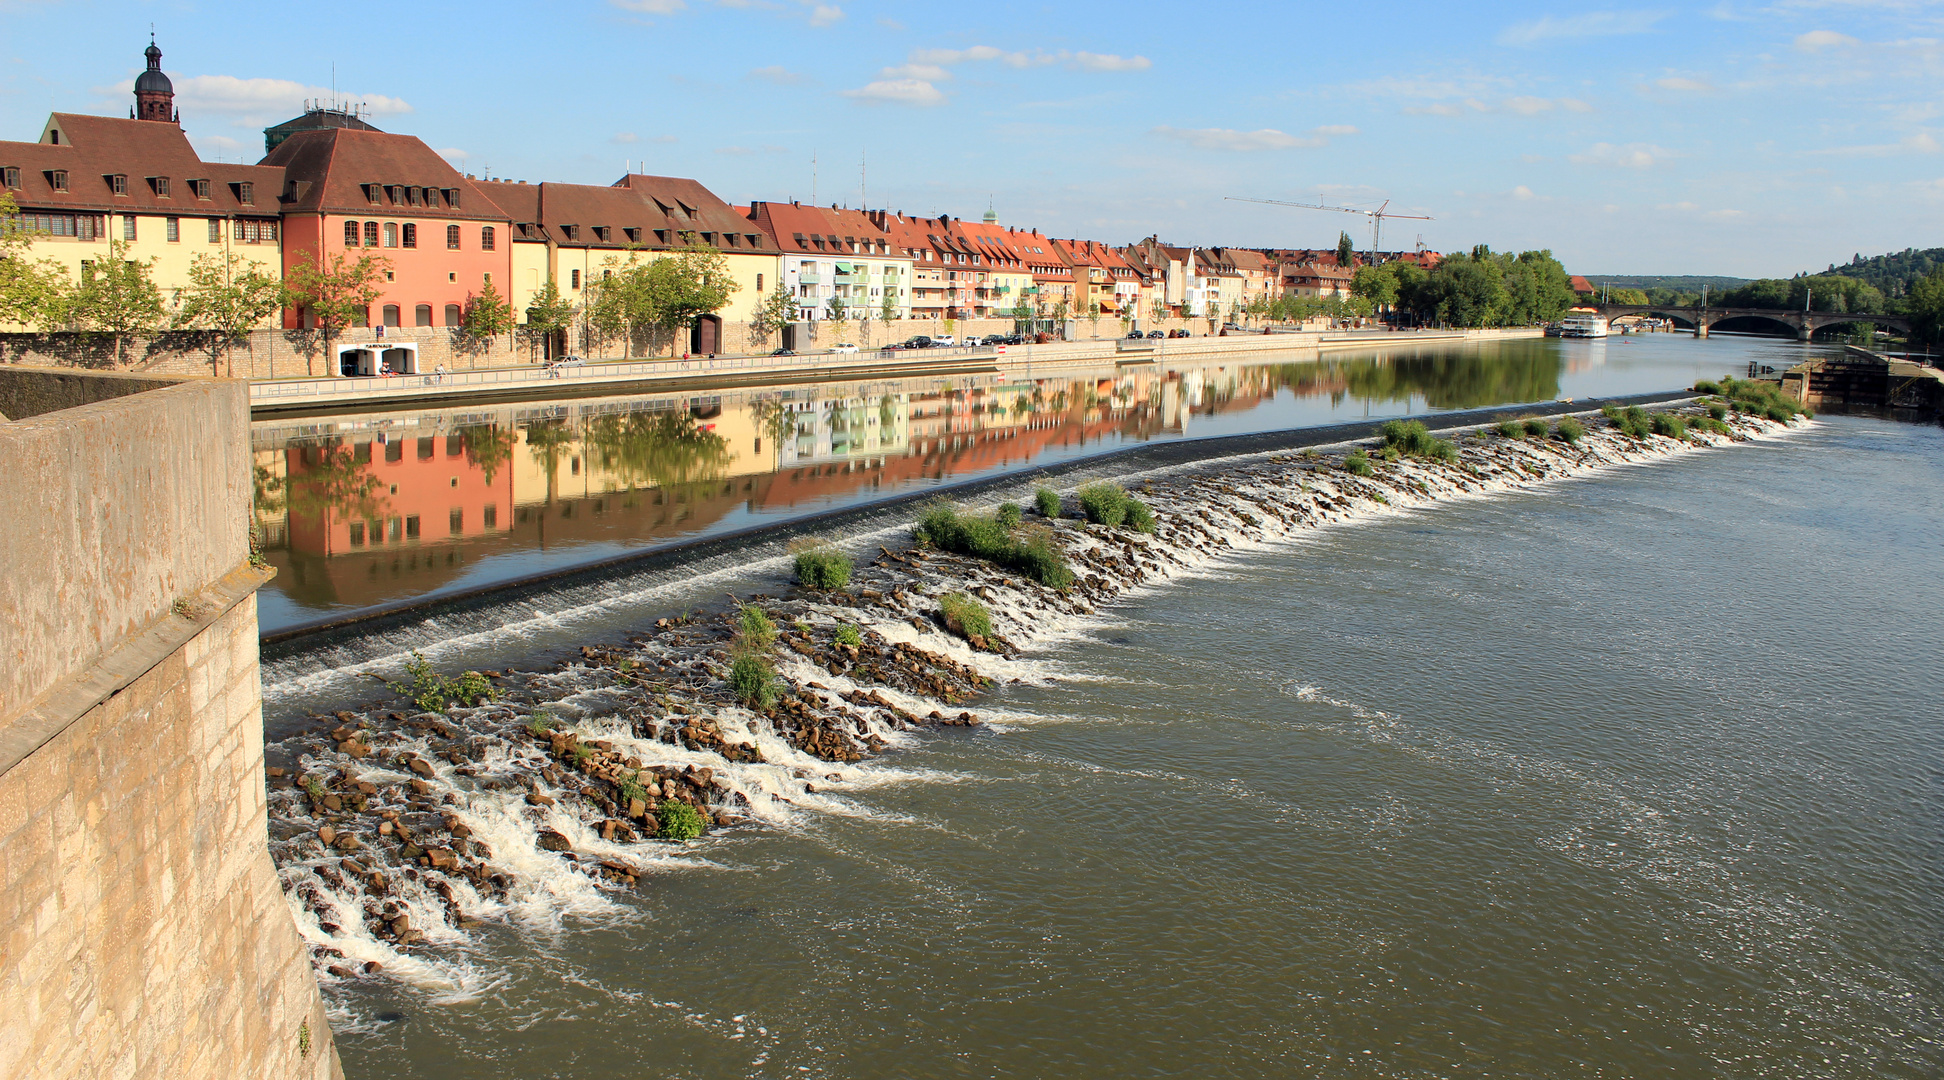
(1735, 138)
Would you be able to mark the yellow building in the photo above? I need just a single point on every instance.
(91, 182)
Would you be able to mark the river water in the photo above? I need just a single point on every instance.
(1629, 775)
(366, 510)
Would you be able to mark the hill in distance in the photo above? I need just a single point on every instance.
(1680, 283)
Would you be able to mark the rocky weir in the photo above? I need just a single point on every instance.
(402, 823)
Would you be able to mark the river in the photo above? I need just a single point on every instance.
(1625, 775)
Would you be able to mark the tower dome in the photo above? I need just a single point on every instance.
(154, 93)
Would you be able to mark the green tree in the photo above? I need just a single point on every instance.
(549, 313)
(681, 287)
(888, 307)
(32, 291)
(487, 314)
(1158, 310)
(1093, 316)
(839, 317)
(1926, 307)
(778, 310)
(117, 296)
(338, 292)
(227, 297)
(1346, 251)
(1377, 284)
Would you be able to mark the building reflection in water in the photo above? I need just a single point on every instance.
(363, 510)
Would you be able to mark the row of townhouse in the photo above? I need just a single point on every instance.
(331, 185)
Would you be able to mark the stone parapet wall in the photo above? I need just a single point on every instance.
(143, 932)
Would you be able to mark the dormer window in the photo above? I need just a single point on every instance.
(661, 236)
(432, 198)
(411, 196)
(10, 177)
(570, 231)
(246, 194)
(452, 197)
(708, 238)
(732, 238)
(118, 183)
(161, 185)
(601, 233)
(395, 193)
(801, 241)
(370, 193)
(200, 187)
(634, 235)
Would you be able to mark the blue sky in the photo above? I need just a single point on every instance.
(1737, 138)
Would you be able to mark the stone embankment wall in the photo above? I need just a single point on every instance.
(263, 354)
(143, 931)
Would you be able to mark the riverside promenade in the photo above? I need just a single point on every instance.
(526, 381)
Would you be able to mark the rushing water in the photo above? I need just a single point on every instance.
(367, 510)
(1628, 775)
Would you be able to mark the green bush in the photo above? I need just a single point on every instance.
(850, 635)
(431, 692)
(1036, 556)
(1632, 423)
(1009, 514)
(1511, 429)
(540, 724)
(1535, 427)
(1669, 425)
(1569, 430)
(819, 565)
(1717, 410)
(1411, 437)
(1139, 517)
(1105, 503)
(1762, 399)
(1714, 424)
(677, 820)
(965, 616)
(1047, 501)
(755, 627)
(1610, 412)
(1358, 463)
(752, 678)
(1707, 386)
(1390, 453)
(631, 790)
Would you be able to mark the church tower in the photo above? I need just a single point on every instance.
(154, 94)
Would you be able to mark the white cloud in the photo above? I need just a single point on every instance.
(778, 74)
(268, 100)
(1922, 142)
(1522, 192)
(1588, 24)
(1086, 61)
(651, 7)
(1630, 156)
(453, 153)
(1260, 139)
(1528, 106)
(1683, 85)
(1440, 109)
(825, 14)
(1521, 105)
(625, 137)
(927, 72)
(898, 92)
(734, 151)
(1818, 40)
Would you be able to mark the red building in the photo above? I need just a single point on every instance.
(347, 192)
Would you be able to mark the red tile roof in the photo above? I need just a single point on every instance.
(332, 170)
(93, 148)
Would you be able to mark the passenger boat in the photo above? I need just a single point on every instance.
(1583, 326)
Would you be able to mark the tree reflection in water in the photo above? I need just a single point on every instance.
(663, 449)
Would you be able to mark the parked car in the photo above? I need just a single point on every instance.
(918, 342)
(998, 339)
(1177, 333)
(944, 341)
(564, 365)
(1136, 335)
(1229, 326)
(843, 347)
(1156, 334)
(784, 352)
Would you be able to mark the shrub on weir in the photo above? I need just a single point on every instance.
(1047, 501)
(819, 565)
(965, 616)
(944, 527)
(1104, 502)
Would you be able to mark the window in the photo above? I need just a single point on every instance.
(174, 229)
(661, 236)
(246, 194)
(200, 187)
(570, 231)
(371, 193)
(215, 230)
(161, 186)
(57, 179)
(118, 183)
(411, 196)
(128, 226)
(357, 534)
(395, 192)
(10, 177)
(456, 521)
(350, 234)
(759, 283)
(408, 235)
(422, 315)
(361, 317)
(425, 447)
(452, 197)
(575, 280)
(371, 234)
(452, 316)
(634, 235)
(486, 238)
(601, 233)
(411, 526)
(391, 234)
(432, 197)
(391, 315)
(452, 238)
(489, 517)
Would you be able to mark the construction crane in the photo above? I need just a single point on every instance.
(1376, 216)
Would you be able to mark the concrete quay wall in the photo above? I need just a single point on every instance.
(143, 931)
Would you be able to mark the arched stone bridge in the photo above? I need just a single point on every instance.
(1804, 323)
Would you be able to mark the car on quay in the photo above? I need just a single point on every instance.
(944, 341)
(784, 352)
(1156, 334)
(566, 365)
(918, 341)
(844, 347)
(1136, 335)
